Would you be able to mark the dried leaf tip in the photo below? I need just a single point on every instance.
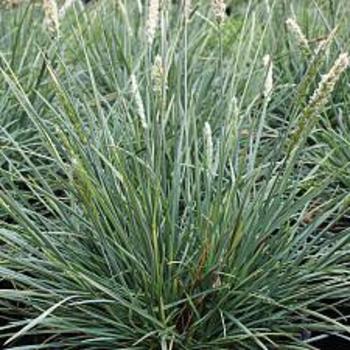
(152, 20)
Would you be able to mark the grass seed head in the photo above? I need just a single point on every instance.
(298, 34)
(138, 100)
(152, 20)
(187, 6)
(324, 44)
(327, 83)
(51, 16)
(157, 75)
(219, 10)
(268, 86)
(209, 149)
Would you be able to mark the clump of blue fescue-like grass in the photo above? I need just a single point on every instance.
(165, 213)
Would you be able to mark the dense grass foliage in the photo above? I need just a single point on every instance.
(184, 191)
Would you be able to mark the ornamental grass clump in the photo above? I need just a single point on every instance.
(162, 221)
